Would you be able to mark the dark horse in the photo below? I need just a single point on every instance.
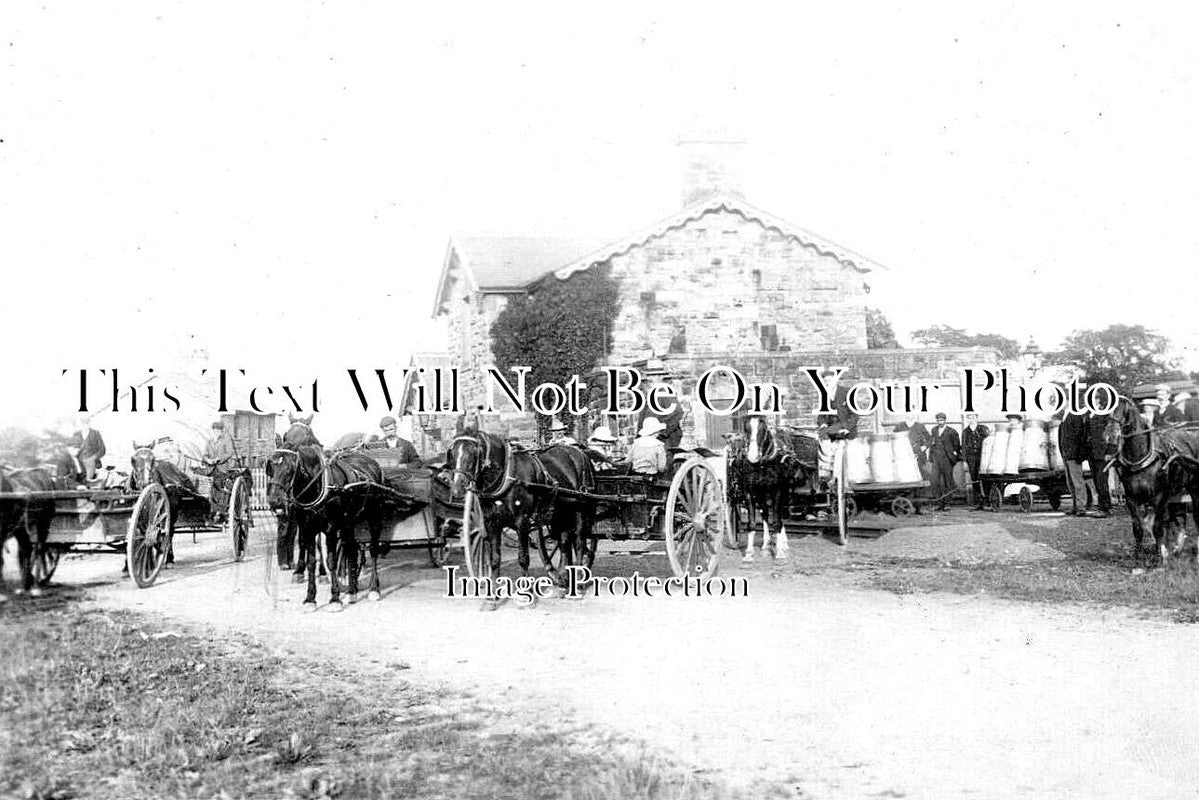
(517, 490)
(762, 471)
(330, 494)
(27, 520)
(147, 469)
(1154, 465)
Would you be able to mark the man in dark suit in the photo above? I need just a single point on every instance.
(1098, 451)
(1184, 410)
(944, 450)
(972, 451)
(918, 438)
(1072, 441)
(91, 448)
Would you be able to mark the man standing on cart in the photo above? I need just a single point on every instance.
(218, 452)
(389, 437)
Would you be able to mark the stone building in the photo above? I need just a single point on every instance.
(719, 282)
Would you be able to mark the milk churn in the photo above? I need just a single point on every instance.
(907, 469)
(984, 458)
(882, 458)
(1011, 462)
(1056, 462)
(1034, 446)
(857, 460)
(994, 464)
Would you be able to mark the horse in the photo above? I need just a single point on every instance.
(763, 471)
(311, 487)
(1154, 466)
(147, 469)
(517, 488)
(20, 517)
(298, 434)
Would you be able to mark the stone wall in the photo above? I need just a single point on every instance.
(718, 284)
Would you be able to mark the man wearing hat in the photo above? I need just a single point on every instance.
(558, 433)
(91, 447)
(390, 438)
(218, 451)
(1184, 410)
(1150, 411)
(654, 374)
(600, 447)
(647, 453)
(944, 450)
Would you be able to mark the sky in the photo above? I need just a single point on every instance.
(273, 185)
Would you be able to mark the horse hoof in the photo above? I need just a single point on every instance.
(489, 605)
(374, 596)
(351, 598)
(18, 592)
(335, 606)
(297, 578)
(747, 558)
(3, 598)
(309, 606)
(36, 591)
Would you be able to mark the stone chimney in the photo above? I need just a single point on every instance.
(711, 166)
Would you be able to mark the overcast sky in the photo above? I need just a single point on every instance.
(276, 182)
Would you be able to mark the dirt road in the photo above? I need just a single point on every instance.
(810, 682)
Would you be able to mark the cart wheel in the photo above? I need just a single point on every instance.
(696, 520)
(438, 553)
(239, 520)
(851, 506)
(1025, 499)
(996, 498)
(45, 561)
(477, 545)
(902, 507)
(148, 536)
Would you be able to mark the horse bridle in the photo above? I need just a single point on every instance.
(321, 475)
(505, 481)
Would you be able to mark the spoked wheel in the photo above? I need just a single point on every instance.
(851, 506)
(996, 498)
(902, 506)
(477, 546)
(148, 537)
(550, 548)
(45, 561)
(696, 520)
(1025, 499)
(239, 520)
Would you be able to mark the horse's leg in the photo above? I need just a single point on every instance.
(1138, 528)
(44, 519)
(781, 547)
(376, 526)
(749, 531)
(308, 554)
(25, 558)
(335, 540)
(350, 546)
(522, 534)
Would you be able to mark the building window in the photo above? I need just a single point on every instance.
(757, 276)
(770, 337)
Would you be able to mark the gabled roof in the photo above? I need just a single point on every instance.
(715, 205)
(503, 264)
(508, 264)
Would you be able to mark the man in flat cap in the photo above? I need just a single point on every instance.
(388, 436)
(944, 451)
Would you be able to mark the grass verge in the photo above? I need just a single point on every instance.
(112, 705)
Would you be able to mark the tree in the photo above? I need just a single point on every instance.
(879, 333)
(945, 336)
(1121, 355)
(560, 329)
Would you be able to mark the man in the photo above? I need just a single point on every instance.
(647, 455)
(1183, 411)
(558, 433)
(944, 451)
(1150, 411)
(918, 438)
(600, 447)
(972, 451)
(1098, 451)
(91, 448)
(389, 437)
(1162, 395)
(841, 423)
(219, 450)
(1072, 441)
(655, 375)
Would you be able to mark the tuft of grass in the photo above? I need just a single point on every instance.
(112, 705)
